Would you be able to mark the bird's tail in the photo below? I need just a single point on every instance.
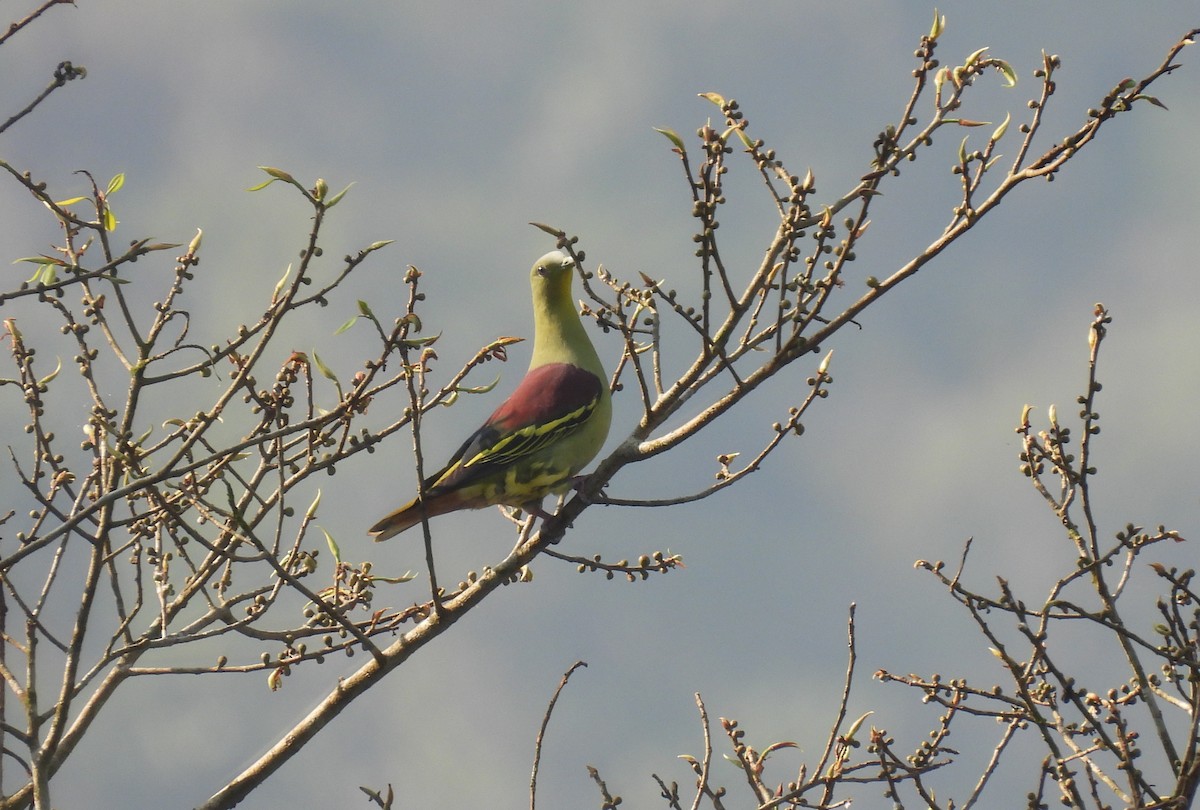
(409, 515)
(392, 524)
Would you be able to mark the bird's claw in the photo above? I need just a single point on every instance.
(579, 482)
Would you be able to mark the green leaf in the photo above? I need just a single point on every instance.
(279, 285)
(671, 136)
(333, 546)
(407, 576)
(364, 310)
(278, 174)
(49, 378)
(715, 98)
(326, 372)
(312, 507)
(1000, 130)
(823, 366)
(72, 201)
(115, 184)
(47, 273)
(1151, 99)
(416, 343)
(725, 135)
(141, 439)
(1010, 75)
(110, 219)
(40, 260)
(973, 58)
(856, 725)
(772, 748)
(337, 198)
(479, 389)
(374, 246)
(939, 25)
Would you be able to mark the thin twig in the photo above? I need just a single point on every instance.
(843, 704)
(541, 735)
(706, 763)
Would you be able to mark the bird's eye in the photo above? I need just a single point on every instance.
(542, 270)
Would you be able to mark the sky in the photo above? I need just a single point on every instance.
(458, 127)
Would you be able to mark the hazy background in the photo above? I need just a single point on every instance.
(461, 123)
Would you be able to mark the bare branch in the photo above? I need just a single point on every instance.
(541, 735)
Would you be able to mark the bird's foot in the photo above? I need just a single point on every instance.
(579, 482)
(547, 516)
(535, 509)
(539, 512)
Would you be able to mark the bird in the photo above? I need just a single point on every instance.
(549, 428)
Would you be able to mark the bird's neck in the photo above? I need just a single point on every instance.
(559, 336)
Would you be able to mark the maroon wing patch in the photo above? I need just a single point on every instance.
(546, 394)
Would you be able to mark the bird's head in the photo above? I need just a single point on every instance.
(551, 275)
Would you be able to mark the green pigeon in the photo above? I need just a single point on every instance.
(552, 425)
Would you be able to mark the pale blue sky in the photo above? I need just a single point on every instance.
(459, 124)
